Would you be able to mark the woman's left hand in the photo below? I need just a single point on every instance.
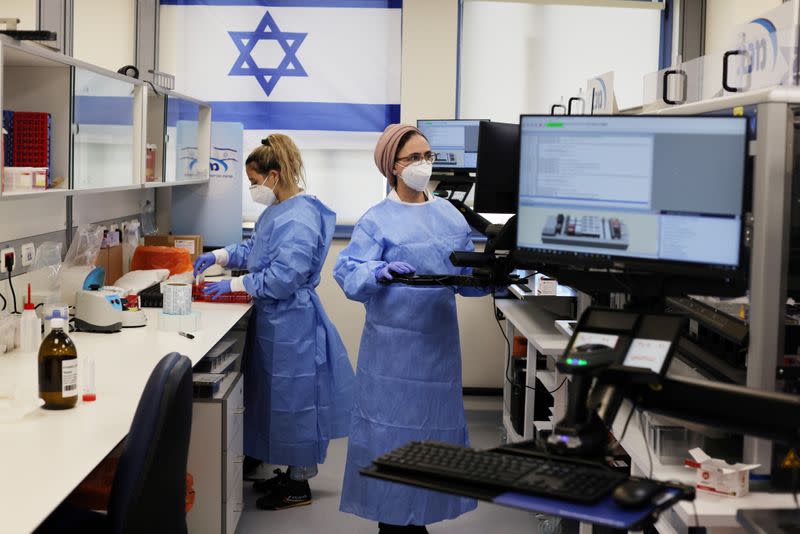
(217, 289)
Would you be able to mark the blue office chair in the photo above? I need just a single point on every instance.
(149, 489)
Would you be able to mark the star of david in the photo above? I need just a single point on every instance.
(267, 30)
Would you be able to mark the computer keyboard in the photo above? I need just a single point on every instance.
(545, 476)
(438, 280)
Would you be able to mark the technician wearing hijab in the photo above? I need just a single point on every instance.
(298, 379)
(408, 381)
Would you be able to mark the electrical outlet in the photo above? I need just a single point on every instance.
(3, 254)
(28, 253)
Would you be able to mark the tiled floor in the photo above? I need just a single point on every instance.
(485, 428)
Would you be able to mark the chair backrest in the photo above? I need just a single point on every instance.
(149, 489)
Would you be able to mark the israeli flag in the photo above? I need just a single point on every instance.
(311, 65)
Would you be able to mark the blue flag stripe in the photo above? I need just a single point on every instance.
(307, 115)
(382, 4)
(253, 115)
(104, 110)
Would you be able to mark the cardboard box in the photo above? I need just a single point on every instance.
(192, 243)
(547, 286)
(718, 476)
(110, 259)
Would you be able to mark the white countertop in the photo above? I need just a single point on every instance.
(44, 456)
(536, 324)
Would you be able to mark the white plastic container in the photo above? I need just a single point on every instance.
(30, 326)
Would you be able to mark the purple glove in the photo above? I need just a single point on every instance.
(217, 289)
(400, 267)
(203, 262)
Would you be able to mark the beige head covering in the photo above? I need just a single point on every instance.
(386, 149)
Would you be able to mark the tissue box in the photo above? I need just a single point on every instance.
(718, 476)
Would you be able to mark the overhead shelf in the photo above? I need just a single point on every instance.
(99, 125)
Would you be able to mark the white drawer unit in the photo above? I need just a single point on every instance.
(216, 459)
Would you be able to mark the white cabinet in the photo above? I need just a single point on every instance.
(216, 459)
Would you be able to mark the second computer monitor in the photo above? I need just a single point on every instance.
(455, 142)
(497, 179)
(633, 192)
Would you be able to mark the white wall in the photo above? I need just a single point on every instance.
(722, 15)
(105, 32)
(523, 58)
(25, 10)
(430, 41)
(28, 217)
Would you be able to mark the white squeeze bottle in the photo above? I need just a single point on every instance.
(30, 326)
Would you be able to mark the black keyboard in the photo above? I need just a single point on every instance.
(541, 475)
(438, 280)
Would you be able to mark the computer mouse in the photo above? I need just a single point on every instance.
(635, 493)
(591, 347)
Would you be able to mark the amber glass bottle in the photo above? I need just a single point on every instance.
(58, 368)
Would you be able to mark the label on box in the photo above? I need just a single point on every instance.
(548, 286)
(647, 354)
(69, 378)
(187, 244)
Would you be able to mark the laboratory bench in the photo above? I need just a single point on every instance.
(46, 454)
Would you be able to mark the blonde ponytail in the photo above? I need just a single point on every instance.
(279, 153)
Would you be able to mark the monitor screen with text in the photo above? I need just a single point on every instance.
(655, 188)
(454, 141)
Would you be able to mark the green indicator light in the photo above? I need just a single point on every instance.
(570, 361)
(555, 124)
(582, 362)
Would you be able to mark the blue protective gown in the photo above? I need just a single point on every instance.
(408, 380)
(298, 380)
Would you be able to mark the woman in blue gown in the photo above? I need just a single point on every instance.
(408, 378)
(298, 378)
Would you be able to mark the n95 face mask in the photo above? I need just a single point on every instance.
(417, 175)
(262, 194)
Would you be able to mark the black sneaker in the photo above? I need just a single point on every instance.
(288, 494)
(386, 528)
(265, 486)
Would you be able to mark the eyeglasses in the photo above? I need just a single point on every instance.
(416, 157)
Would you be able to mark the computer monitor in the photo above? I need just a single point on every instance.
(652, 194)
(497, 177)
(455, 142)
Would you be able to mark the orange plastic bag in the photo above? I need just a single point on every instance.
(177, 260)
(94, 492)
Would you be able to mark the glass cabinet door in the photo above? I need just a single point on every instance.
(182, 154)
(103, 136)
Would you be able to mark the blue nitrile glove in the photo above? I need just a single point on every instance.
(217, 289)
(203, 262)
(400, 267)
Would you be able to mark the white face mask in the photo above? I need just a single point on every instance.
(262, 194)
(417, 175)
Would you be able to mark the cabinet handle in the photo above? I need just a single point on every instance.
(238, 508)
(239, 459)
(240, 411)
